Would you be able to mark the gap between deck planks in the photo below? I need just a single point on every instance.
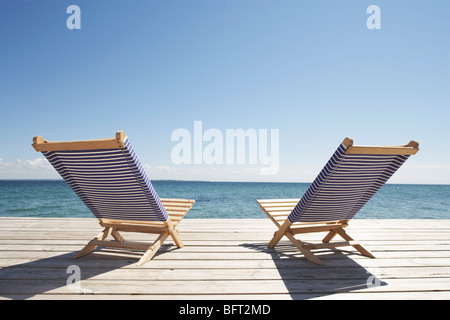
(225, 259)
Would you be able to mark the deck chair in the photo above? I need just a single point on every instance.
(349, 179)
(109, 179)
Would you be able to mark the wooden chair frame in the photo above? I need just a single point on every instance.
(178, 207)
(274, 210)
(175, 208)
(278, 211)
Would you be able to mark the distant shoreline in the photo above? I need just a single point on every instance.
(212, 181)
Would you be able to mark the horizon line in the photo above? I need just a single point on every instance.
(174, 180)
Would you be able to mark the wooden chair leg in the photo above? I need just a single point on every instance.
(117, 236)
(91, 246)
(306, 252)
(148, 255)
(358, 247)
(275, 239)
(85, 251)
(176, 238)
(279, 234)
(329, 236)
(174, 233)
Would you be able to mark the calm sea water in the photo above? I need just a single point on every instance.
(43, 198)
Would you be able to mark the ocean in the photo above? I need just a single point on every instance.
(54, 198)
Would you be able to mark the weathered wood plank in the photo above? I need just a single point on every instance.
(225, 259)
(223, 287)
(430, 295)
(179, 254)
(127, 273)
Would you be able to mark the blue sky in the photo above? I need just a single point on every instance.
(311, 69)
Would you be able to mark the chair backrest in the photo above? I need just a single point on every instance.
(349, 179)
(107, 176)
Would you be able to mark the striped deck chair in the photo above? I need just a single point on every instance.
(349, 179)
(109, 179)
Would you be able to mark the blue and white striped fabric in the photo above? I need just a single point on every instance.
(345, 185)
(111, 182)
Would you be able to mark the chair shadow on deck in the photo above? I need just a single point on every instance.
(62, 275)
(305, 280)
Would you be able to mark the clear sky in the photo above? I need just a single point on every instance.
(311, 69)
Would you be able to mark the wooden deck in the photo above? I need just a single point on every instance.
(225, 259)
